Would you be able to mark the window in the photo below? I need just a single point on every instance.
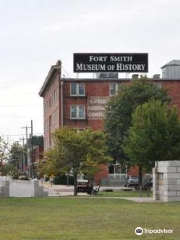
(73, 88)
(77, 111)
(113, 88)
(114, 169)
(77, 89)
(55, 95)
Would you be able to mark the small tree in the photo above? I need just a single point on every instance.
(154, 135)
(16, 153)
(4, 150)
(75, 152)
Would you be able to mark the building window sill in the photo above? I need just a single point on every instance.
(77, 95)
(77, 118)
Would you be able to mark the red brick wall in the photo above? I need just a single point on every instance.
(173, 87)
(103, 173)
(52, 110)
(94, 88)
(37, 153)
(133, 171)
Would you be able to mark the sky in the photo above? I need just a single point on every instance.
(34, 34)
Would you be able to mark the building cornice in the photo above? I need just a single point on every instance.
(114, 79)
(49, 77)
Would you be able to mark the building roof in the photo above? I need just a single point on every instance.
(51, 72)
(172, 63)
(113, 79)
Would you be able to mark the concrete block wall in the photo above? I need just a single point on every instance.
(36, 190)
(166, 181)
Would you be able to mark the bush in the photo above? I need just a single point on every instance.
(15, 174)
(62, 180)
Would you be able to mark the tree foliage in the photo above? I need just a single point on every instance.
(75, 153)
(36, 141)
(119, 112)
(16, 152)
(4, 150)
(154, 134)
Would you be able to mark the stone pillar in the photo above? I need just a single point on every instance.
(4, 188)
(36, 190)
(155, 184)
(166, 181)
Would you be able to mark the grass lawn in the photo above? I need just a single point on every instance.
(85, 219)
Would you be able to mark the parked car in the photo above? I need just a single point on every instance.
(132, 181)
(148, 183)
(23, 177)
(84, 186)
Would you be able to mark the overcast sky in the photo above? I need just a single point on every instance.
(34, 34)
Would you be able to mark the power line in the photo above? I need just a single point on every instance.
(6, 117)
(20, 105)
(14, 135)
(19, 93)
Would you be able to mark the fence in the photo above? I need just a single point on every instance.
(16, 188)
(114, 180)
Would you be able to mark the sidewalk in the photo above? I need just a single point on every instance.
(65, 191)
(58, 190)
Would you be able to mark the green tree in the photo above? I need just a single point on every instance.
(75, 153)
(4, 150)
(16, 153)
(36, 141)
(154, 135)
(119, 112)
(7, 153)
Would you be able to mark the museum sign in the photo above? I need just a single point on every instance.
(110, 62)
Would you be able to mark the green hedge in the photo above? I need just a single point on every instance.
(62, 180)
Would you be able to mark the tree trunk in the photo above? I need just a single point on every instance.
(75, 184)
(140, 181)
(68, 179)
(140, 175)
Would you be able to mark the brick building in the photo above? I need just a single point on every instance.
(79, 102)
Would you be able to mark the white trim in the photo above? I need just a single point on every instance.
(117, 85)
(77, 111)
(77, 89)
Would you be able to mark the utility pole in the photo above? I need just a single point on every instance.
(18, 155)
(23, 157)
(27, 151)
(32, 166)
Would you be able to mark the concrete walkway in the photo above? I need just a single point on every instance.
(58, 190)
(139, 199)
(19, 188)
(68, 191)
